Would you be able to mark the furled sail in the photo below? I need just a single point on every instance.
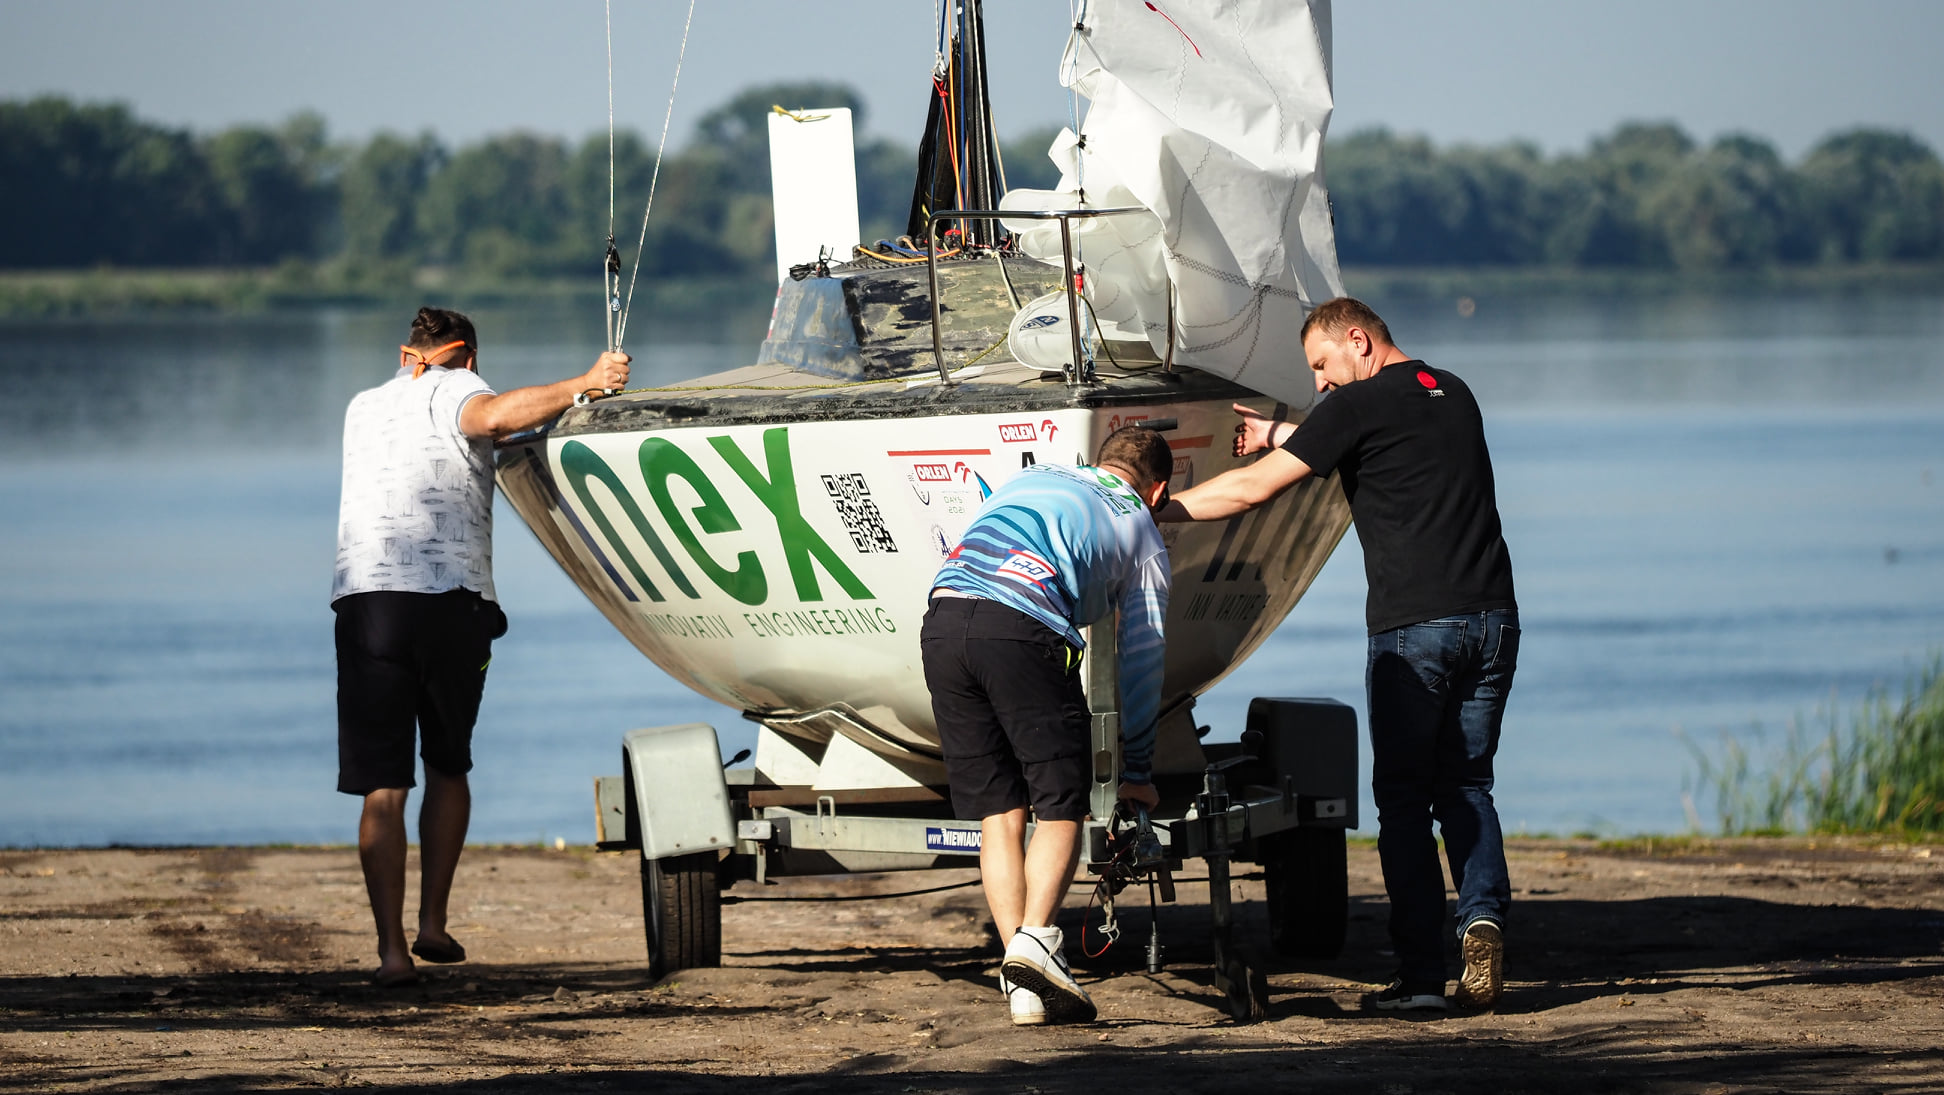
(958, 161)
(1210, 114)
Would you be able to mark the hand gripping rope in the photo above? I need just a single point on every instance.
(615, 307)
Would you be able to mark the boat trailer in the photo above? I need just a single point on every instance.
(1282, 797)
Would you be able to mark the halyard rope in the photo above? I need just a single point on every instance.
(621, 332)
(611, 261)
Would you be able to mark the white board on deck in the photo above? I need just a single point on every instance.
(813, 184)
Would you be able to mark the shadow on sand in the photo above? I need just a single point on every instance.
(1562, 952)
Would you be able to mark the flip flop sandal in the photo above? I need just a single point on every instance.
(434, 951)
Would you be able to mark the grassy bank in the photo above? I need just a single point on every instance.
(1877, 769)
(1482, 282)
(56, 294)
(108, 291)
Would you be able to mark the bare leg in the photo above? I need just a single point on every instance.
(1050, 862)
(381, 850)
(1002, 869)
(442, 836)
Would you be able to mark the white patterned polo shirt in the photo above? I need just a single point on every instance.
(416, 511)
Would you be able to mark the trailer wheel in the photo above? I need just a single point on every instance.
(1306, 873)
(681, 903)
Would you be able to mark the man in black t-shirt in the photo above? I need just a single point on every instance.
(1408, 443)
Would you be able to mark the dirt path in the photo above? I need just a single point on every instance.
(1749, 966)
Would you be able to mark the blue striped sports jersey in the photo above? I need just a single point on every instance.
(1067, 545)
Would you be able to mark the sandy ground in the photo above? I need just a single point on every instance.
(1783, 965)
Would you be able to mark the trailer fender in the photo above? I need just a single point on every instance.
(676, 790)
(1312, 744)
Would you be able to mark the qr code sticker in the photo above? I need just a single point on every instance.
(861, 517)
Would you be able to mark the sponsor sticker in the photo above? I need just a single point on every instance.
(941, 839)
(1026, 566)
(933, 473)
(1018, 433)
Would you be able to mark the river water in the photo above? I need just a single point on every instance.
(1725, 513)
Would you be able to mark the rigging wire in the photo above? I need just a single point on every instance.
(609, 21)
(611, 261)
(622, 331)
(1078, 10)
(938, 20)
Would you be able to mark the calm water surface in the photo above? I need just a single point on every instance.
(1724, 513)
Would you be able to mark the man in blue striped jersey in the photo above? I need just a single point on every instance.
(1053, 550)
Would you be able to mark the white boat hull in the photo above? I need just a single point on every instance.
(783, 567)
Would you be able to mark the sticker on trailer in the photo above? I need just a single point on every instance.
(940, 839)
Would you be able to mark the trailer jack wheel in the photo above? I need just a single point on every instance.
(681, 905)
(1245, 988)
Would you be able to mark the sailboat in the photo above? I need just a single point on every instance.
(768, 535)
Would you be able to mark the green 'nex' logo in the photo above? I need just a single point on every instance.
(774, 486)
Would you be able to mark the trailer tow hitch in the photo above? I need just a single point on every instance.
(1136, 854)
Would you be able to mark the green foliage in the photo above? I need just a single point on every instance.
(1734, 206)
(379, 194)
(1027, 166)
(89, 184)
(738, 131)
(1880, 772)
(271, 185)
(1645, 197)
(1876, 196)
(499, 206)
(92, 185)
(1398, 201)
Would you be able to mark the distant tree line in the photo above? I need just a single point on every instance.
(1646, 196)
(90, 185)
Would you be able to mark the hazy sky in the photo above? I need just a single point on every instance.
(1552, 71)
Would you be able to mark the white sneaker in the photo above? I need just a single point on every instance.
(1028, 1010)
(1036, 961)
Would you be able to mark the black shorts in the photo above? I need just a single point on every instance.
(1012, 719)
(409, 660)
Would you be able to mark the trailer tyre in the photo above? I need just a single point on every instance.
(681, 903)
(1306, 873)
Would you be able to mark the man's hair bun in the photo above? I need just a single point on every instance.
(439, 326)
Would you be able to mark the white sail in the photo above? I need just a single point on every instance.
(1211, 115)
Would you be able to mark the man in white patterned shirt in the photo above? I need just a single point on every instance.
(416, 611)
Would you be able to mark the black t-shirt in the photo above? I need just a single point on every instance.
(1410, 443)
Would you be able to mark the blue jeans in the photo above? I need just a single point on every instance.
(1437, 700)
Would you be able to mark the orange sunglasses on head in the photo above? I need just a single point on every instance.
(425, 358)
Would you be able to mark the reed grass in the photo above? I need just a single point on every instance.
(1879, 768)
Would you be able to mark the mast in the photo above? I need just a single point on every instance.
(958, 161)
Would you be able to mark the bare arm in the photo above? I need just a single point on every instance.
(524, 408)
(1236, 490)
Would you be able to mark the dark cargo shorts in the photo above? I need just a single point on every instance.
(405, 661)
(1012, 719)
